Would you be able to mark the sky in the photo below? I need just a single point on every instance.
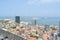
(42, 8)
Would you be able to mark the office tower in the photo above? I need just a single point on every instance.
(55, 36)
(17, 19)
(59, 31)
(33, 21)
(47, 27)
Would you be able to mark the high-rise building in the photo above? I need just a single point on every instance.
(55, 36)
(59, 31)
(47, 27)
(17, 19)
(33, 21)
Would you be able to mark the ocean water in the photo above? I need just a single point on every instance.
(44, 20)
(40, 20)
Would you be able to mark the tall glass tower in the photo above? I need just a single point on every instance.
(17, 19)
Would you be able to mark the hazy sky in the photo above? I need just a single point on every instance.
(43, 8)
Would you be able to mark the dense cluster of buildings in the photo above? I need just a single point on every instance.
(28, 31)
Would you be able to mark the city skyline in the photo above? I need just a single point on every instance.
(42, 8)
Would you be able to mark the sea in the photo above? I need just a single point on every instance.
(39, 20)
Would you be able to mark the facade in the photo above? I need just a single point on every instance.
(47, 27)
(59, 32)
(34, 22)
(17, 19)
